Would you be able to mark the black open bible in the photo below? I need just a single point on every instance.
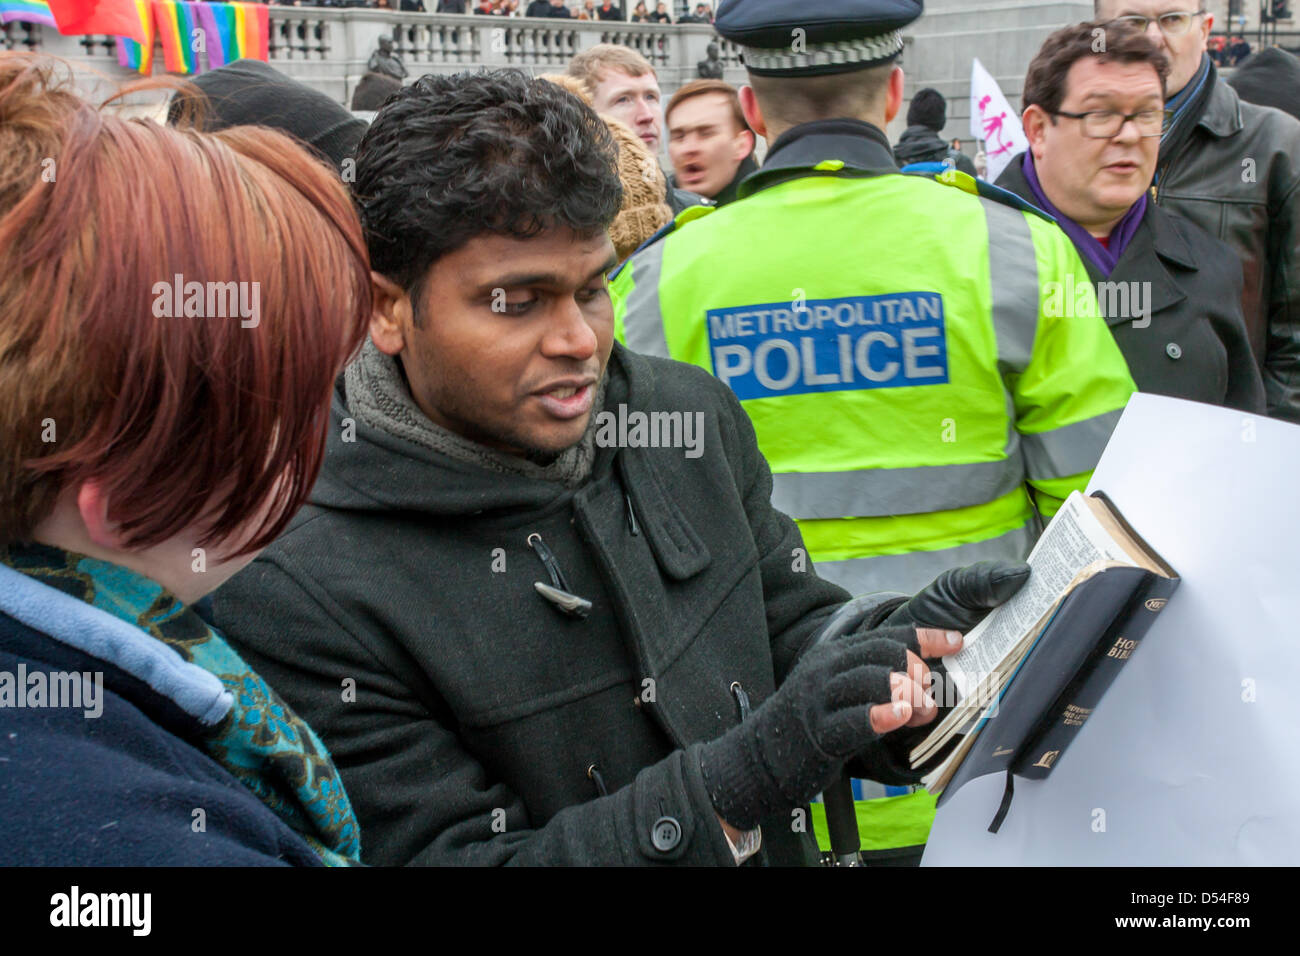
(1031, 673)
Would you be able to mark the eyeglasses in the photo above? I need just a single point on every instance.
(1171, 24)
(1103, 124)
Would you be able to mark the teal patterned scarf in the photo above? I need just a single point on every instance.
(261, 741)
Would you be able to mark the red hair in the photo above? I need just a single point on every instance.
(183, 421)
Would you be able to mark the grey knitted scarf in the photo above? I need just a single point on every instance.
(377, 395)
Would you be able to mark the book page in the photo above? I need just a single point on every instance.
(1073, 540)
(937, 779)
(964, 717)
(1135, 548)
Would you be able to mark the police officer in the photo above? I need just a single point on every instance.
(892, 338)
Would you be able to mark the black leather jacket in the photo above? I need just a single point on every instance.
(1238, 178)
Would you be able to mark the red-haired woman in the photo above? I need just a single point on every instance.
(174, 307)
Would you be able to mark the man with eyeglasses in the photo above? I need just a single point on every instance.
(1170, 292)
(1231, 167)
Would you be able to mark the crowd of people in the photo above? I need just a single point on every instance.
(325, 472)
(1228, 50)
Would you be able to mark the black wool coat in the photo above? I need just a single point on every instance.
(1196, 346)
(465, 713)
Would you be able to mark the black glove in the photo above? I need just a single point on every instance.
(961, 598)
(957, 599)
(795, 744)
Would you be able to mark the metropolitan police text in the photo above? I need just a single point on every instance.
(860, 342)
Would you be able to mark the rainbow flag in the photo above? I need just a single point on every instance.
(87, 17)
(133, 55)
(234, 31)
(176, 21)
(29, 11)
(254, 29)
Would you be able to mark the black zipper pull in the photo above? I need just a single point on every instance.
(548, 559)
(593, 774)
(742, 699)
(558, 594)
(631, 516)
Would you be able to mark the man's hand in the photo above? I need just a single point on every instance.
(887, 758)
(839, 700)
(962, 597)
(913, 688)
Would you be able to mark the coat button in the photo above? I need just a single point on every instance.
(666, 834)
(1174, 350)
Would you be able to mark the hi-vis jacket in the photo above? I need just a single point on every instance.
(905, 350)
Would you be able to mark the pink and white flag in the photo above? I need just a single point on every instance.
(993, 121)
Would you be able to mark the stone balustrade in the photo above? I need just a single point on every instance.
(328, 47)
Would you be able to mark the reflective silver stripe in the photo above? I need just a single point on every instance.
(1070, 449)
(1013, 282)
(912, 571)
(643, 323)
(878, 492)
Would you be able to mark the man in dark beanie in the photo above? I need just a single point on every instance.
(252, 93)
(1270, 77)
(920, 143)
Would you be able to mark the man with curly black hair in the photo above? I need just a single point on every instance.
(540, 607)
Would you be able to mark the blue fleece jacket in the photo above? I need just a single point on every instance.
(118, 778)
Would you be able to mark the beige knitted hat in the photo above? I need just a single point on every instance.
(644, 211)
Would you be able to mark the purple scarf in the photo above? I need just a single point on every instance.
(1105, 259)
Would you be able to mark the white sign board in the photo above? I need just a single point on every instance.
(1191, 757)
